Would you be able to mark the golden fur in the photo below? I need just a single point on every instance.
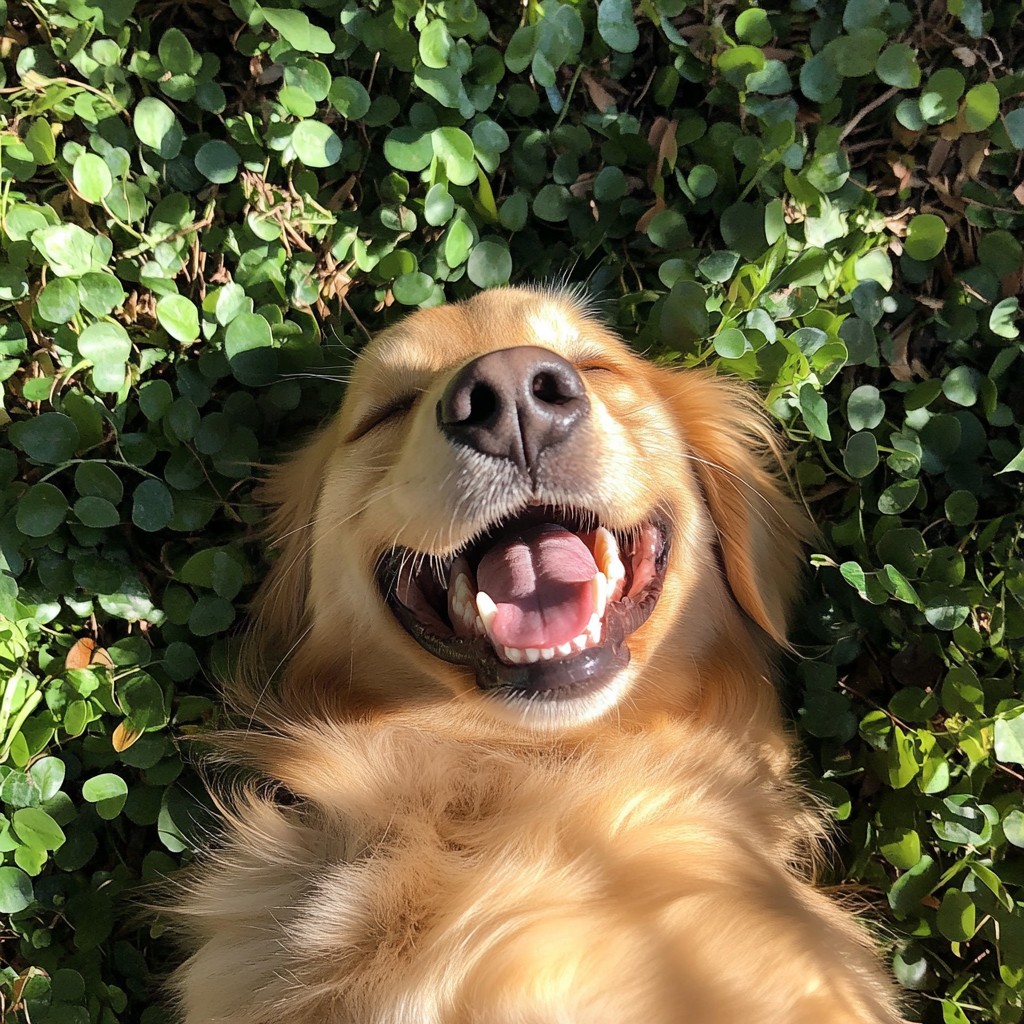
(423, 853)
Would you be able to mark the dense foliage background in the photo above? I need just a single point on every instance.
(206, 205)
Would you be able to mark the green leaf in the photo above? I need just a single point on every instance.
(956, 915)
(315, 144)
(926, 236)
(981, 106)
(730, 343)
(217, 161)
(1013, 827)
(175, 52)
(152, 506)
(41, 509)
(157, 126)
(861, 455)
(297, 31)
(247, 331)
(898, 497)
(70, 250)
(814, 409)
(48, 775)
(435, 44)
(408, 149)
(616, 26)
(940, 96)
(490, 264)
(349, 98)
(865, 409)
(58, 301)
(684, 317)
(108, 792)
(15, 890)
(897, 66)
(1009, 739)
(36, 829)
(413, 289)
(913, 886)
(1003, 318)
(50, 437)
(454, 149)
(178, 317)
(1013, 121)
(753, 26)
(1015, 465)
(92, 177)
(960, 385)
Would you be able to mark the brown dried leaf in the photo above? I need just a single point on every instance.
(80, 655)
(124, 736)
(645, 220)
(602, 99)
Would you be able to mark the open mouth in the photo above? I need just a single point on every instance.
(540, 607)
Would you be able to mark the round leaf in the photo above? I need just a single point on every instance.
(490, 264)
(15, 890)
(41, 510)
(315, 144)
(92, 177)
(156, 126)
(926, 236)
(178, 317)
(217, 161)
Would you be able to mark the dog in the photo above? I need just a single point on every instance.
(519, 756)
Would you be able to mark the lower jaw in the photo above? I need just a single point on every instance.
(554, 681)
(559, 708)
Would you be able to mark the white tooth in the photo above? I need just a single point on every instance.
(532, 654)
(463, 591)
(594, 629)
(547, 653)
(565, 649)
(599, 585)
(606, 548)
(516, 656)
(487, 609)
(579, 642)
(479, 626)
(469, 617)
(458, 607)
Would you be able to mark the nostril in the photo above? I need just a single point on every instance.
(483, 404)
(551, 389)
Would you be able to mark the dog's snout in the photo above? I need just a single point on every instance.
(513, 403)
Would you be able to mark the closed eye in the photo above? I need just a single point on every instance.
(383, 414)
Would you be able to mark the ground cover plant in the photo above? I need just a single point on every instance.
(205, 207)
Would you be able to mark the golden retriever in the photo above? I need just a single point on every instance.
(524, 763)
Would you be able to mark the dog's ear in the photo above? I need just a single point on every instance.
(737, 457)
(291, 491)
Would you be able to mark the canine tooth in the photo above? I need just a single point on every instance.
(599, 586)
(594, 629)
(514, 654)
(532, 654)
(478, 625)
(547, 653)
(565, 649)
(606, 547)
(470, 618)
(486, 609)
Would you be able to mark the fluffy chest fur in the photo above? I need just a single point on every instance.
(473, 880)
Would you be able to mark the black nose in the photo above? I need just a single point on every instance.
(513, 403)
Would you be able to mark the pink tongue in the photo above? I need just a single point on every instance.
(540, 581)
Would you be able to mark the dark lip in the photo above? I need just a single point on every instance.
(560, 679)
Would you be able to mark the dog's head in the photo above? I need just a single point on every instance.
(514, 509)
